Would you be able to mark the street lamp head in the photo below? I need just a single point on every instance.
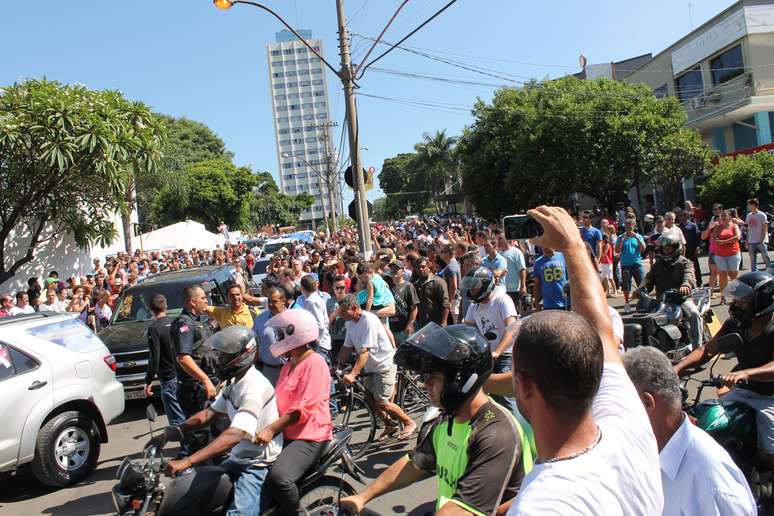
(223, 4)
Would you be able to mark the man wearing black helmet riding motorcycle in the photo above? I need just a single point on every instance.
(752, 304)
(477, 449)
(672, 270)
(248, 400)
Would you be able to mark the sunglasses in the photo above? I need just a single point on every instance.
(339, 288)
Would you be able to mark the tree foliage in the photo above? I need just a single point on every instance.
(735, 179)
(217, 192)
(542, 142)
(269, 206)
(187, 142)
(67, 154)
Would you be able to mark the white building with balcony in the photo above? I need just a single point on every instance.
(723, 75)
(301, 120)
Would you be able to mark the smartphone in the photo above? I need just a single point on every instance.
(521, 227)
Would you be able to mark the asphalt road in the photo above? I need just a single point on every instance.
(22, 495)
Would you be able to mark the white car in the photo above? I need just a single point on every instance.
(59, 393)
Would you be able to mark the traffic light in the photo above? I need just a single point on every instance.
(350, 180)
(352, 210)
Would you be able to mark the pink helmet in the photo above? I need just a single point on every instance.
(292, 328)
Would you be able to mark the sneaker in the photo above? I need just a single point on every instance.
(627, 308)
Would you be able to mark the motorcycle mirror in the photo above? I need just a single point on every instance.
(150, 413)
(729, 342)
(490, 335)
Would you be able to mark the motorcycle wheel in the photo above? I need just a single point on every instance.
(322, 496)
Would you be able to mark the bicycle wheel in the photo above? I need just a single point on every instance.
(354, 413)
(412, 398)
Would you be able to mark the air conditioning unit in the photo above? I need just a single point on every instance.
(698, 101)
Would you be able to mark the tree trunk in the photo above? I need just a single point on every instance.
(126, 220)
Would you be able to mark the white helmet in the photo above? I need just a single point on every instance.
(292, 329)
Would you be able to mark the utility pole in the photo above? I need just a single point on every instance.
(330, 174)
(347, 78)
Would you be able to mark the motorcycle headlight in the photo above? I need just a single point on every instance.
(130, 475)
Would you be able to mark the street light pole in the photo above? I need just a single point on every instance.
(347, 78)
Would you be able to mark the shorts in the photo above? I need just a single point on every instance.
(764, 414)
(606, 270)
(711, 258)
(728, 263)
(380, 384)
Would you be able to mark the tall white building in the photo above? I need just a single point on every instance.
(301, 119)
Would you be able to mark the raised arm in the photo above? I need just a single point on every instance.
(588, 298)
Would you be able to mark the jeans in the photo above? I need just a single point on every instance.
(248, 483)
(296, 457)
(694, 257)
(691, 313)
(175, 415)
(504, 364)
(756, 249)
(326, 354)
(628, 272)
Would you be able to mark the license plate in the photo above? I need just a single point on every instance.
(714, 324)
(135, 395)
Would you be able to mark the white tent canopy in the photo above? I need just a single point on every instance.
(181, 235)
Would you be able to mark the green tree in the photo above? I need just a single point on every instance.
(187, 142)
(67, 155)
(395, 173)
(435, 166)
(542, 142)
(217, 191)
(735, 179)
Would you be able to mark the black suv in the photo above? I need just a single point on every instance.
(127, 334)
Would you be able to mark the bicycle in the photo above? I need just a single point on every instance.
(355, 413)
(410, 393)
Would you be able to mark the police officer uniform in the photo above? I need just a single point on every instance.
(188, 334)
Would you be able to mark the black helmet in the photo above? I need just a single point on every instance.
(478, 283)
(460, 352)
(236, 348)
(751, 295)
(676, 243)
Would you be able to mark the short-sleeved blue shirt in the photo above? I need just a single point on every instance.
(552, 273)
(593, 237)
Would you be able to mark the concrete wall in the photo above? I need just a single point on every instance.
(60, 254)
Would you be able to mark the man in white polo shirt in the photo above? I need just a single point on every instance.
(697, 474)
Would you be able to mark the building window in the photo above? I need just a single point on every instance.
(276, 52)
(296, 129)
(322, 115)
(308, 117)
(287, 165)
(292, 95)
(279, 97)
(317, 70)
(284, 131)
(276, 63)
(293, 107)
(311, 139)
(296, 118)
(307, 105)
(290, 62)
(292, 84)
(727, 65)
(317, 49)
(284, 142)
(661, 92)
(279, 86)
(277, 74)
(298, 140)
(319, 104)
(282, 119)
(303, 72)
(319, 93)
(288, 51)
(302, 61)
(689, 85)
(282, 108)
(318, 82)
(307, 94)
(290, 73)
(304, 83)
(301, 50)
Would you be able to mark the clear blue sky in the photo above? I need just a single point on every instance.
(185, 58)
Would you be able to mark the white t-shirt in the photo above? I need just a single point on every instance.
(619, 476)
(490, 317)
(250, 405)
(368, 332)
(755, 223)
(43, 307)
(15, 310)
(674, 231)
(315, 305)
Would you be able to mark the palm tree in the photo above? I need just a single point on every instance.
(436, 163)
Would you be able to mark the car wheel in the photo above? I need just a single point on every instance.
(67, 449)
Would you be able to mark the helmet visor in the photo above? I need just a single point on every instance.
(437, 342)
(739, 293)
(471, 282)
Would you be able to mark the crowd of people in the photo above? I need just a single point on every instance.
(540, 415)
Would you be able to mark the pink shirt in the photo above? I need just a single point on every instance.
(306, 389)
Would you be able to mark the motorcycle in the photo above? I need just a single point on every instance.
(144, 489)
(659, 322)
(733, 426)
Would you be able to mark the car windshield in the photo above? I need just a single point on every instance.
(273, 247)
(134, 305)
(260, 267)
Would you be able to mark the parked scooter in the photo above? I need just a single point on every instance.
(733, 426)
(143, 488)
(660, 323)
